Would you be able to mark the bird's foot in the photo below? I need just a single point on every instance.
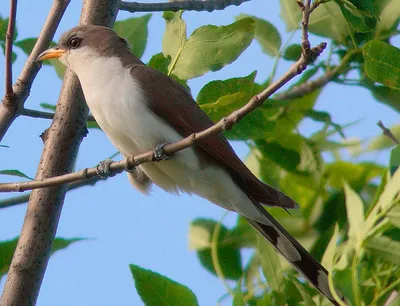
(158, 154)
(103, 168)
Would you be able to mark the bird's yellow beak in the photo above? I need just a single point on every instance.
(55, 52)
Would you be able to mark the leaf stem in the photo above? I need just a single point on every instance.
(214, 254)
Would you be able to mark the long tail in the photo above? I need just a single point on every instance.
(294, 253)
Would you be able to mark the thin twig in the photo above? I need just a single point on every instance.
(224, 124)
(9, 43)
(45, 115)
(308, 87)
(24, 198)
(187, 5)
(388, 133)
(11, 104)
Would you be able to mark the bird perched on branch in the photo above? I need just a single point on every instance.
(140, 109)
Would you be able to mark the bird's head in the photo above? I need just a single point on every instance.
(84, 43)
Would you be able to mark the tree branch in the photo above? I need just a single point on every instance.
(187, 5)
(33, 113)
(388, 133)
(61, 144)
(225, 124)
(9, 43)
(10, 106)
(22, 199)
(308, 87)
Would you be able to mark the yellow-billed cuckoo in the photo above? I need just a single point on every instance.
(139, 108)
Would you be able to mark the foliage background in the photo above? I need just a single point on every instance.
(123, 226)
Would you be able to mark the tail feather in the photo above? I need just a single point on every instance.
(294, 253)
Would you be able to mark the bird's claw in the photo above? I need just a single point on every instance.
(103, 169)
(158, 154)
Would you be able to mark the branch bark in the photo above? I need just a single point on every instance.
(62, 141)
(9, 43)
(33, 113)
(187, 5)
(11, 104)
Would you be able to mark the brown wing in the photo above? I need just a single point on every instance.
(175, 106)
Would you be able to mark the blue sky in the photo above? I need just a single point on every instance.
(123, 225)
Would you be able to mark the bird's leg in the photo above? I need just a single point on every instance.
(103, 169)
(158, 154)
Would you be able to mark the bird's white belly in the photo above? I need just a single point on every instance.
(117, 102)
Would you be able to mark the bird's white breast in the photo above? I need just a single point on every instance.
(117, 102)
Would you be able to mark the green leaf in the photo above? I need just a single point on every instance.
(220, 98)
(286, 158)
(356, 175)
(228, 256)
(3, 29)
(388, 17)
(385, 248)
(382, 63)
(266, 34)
(238, 297)
(175, 34)
(304, 293)
(212, 91)
(328, 21)
(394, 159)
(135, 31)
(291, 14)
(324, 117)
(292, 52)
(386, 95)
(394, 216)
(329, 255)
(390, 192)
(382, 141)
(7, 249)
(26, 44)
(364, 6)
(209, 48)
(48, 106)
(357, 21)
(156, 289)
(159, 62)
(14, 172)
(355, 213)
(272, 269)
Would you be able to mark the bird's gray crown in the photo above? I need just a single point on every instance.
(104, 41)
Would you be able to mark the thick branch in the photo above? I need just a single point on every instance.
(9, 43)
(11, 105)
(187, 5)
(61, 146)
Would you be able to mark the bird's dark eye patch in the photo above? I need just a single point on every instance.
(74, 42)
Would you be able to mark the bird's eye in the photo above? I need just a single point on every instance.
(74, 42)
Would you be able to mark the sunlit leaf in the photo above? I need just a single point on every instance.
(355, 213)
(135, 31)
(266, 34)
(209, 48)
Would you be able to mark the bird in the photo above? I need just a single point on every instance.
(141, 109)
